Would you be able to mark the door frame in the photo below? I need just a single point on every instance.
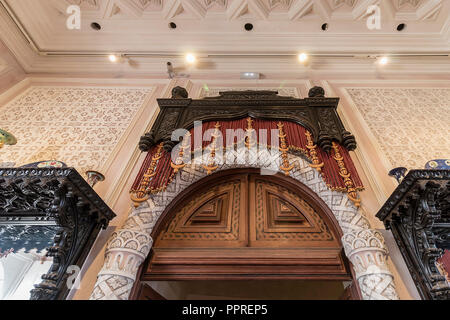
(311, 197)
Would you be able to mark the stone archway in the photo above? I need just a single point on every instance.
(129, 246)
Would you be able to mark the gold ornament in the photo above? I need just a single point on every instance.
(343, 172)
(179, 162)
(211, 166)
(285, 166)
(141, 194)
(313, 153)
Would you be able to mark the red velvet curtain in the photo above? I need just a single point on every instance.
(296, 139)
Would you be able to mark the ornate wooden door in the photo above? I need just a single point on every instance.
(247, 226)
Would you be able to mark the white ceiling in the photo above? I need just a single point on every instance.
(214, 29)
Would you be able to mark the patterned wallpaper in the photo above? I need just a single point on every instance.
(77, 125)
(411, 126)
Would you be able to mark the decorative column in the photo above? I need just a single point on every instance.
(367, 251)
(126, 249)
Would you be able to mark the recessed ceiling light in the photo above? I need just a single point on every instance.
(401, 27)
(190, 58)
(302, 57)
(383, 60)
(96, 26)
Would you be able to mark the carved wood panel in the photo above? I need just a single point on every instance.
(281, 218)
(211, 218)
(273, 216)
(316, 113)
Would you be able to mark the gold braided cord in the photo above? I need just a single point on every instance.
(345, 174)
(285, 166)
(141, 194)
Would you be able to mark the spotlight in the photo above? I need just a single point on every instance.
(383, 60)
(302, 57)
(190, 58)
(113, 58)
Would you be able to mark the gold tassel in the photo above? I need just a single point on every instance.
(141, 194)
(313, 153)
(284, 150)
(343, 172)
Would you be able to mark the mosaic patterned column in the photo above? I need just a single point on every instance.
(367, 251)
(127, 248)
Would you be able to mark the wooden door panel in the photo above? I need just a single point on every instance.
(281, 218)
(215, 217)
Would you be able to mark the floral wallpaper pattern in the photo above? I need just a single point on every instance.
(77, 125)
(412, 126)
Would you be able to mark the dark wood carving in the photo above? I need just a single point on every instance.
(243, 225)
(317, 113)
(418, 213)
(55, 205)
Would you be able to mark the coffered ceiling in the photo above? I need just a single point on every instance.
(214, 29)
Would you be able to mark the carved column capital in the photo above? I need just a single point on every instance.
(125, 252)
(367, 251)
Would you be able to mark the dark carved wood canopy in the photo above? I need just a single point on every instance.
(53, 209)
(316, 113)
(418, 213)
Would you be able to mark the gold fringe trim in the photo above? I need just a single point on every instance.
(141, 194)
(316, 164)
(343, 172)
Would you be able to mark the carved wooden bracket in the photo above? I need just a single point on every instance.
(418, 213)
(52, 207)
(316, 113)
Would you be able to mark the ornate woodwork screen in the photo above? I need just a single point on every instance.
(244, 225)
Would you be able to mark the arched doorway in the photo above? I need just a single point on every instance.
(242, 226)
